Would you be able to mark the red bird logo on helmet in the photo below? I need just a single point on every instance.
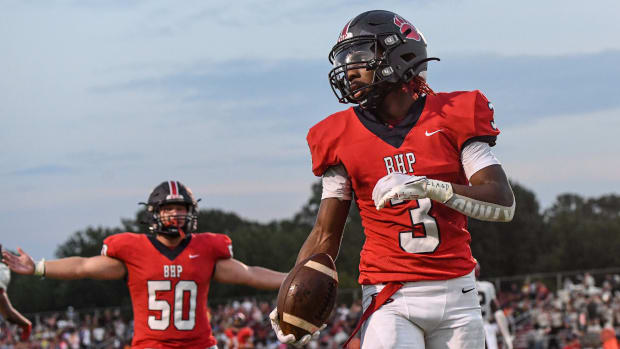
(405, 27)
(344, 34)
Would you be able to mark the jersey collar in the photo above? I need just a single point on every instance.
(392, 135)
(170, 253)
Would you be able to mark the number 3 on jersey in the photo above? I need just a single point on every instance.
(180, 323)
(420, 217)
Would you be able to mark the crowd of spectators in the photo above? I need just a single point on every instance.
(71, 330)
(578, 315)
(112, 328)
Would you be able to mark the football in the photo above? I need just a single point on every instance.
(308, 295)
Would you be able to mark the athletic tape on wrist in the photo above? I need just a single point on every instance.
(438, 190)
(39, 268)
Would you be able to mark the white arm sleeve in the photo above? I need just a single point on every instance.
(5, 276)
(476, 156)
(336, 183)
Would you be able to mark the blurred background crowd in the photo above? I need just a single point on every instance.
(584, 312)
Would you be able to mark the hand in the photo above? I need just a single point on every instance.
(26, 329)
(398, 186)
(290, 338)
(22, 264)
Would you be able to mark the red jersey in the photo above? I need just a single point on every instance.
(240, 338)
(169, 287)
(411, 240)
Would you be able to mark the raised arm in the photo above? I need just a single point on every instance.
(9, 313)
(327, 232)
(232, 271)
(98, 267)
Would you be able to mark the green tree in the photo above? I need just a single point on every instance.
(268, 245)
(582, 233)
(510, 248)
(574, 234)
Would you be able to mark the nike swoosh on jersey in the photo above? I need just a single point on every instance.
(432, 133)
(465, 291)
(192, 256)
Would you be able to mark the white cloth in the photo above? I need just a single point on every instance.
(5, 276)
(486, 293)
(336, 183)
(474, 157)
(442, 314)
(490, 333)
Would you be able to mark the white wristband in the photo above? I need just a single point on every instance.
(438, 190)
(39, 268)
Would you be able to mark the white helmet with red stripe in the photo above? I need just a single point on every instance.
(172, 192)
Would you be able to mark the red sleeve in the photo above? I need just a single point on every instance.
(245, 334)
(475, 122)
(113, 246)
(221, 246)
(121, 246)
(323, 141)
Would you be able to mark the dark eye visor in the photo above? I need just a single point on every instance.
(360, 53)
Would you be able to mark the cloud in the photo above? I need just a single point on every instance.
(570, 153)
(522, 88)
(99, 158)
(281, 93)
(43, 170)
(525, 88)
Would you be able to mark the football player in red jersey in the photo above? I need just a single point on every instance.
(239, 334)
(419, 163)
(168, 273)
(6, 308)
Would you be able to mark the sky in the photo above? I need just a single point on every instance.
(102, 100)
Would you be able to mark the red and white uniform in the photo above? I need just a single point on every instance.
(419, 239)
(169, 287)
(240, 338)
(422, 243)
(486, 294)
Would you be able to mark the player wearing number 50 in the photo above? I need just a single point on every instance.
(168, 273)
(434, 149)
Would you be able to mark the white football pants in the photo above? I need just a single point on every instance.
(490, 331)
(426, 315)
